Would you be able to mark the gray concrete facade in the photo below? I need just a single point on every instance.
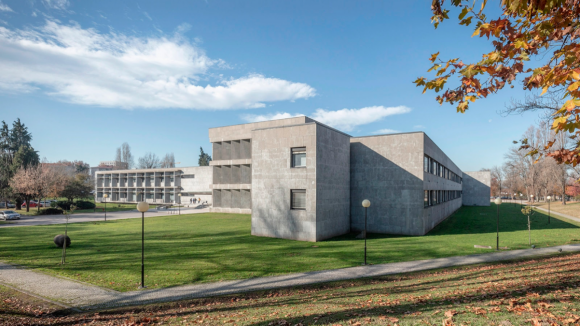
(411, 183)
(476, 188)
(156, 186)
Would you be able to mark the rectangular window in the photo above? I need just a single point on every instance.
(186, 176)
(299, 157)
(433, 197)
(426, 164)
(426, 199)
(440, 170)
(298, 199)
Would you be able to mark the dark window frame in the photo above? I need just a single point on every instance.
(297, 191)
(297, 150)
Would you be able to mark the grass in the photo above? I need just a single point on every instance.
(214, 247)
(541, 291)
(571, 208)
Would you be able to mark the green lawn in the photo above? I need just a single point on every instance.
(212, 247)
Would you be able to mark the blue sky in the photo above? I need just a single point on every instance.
(86, 76)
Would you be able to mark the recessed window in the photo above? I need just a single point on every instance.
(299, 157)
(298, 199)
(426, 199)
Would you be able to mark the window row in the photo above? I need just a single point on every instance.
(436, 168)
(434, 197)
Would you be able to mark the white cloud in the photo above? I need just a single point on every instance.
(57, 4)
(348, 119)
(4, 7)
(86, 67)
(345, 119)
(385, 131)
(267, 117)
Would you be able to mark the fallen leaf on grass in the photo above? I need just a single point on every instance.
(450, 313)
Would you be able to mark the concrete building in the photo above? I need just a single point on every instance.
(303, 180)
(158, 186)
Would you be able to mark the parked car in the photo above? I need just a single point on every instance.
(9, 215)
(10, 205)
(32, 204)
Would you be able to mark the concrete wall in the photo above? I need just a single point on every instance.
(388, 171)
(332, 183)
(476, 188)
(434, 215)
(244, 131)
(273, 178)
(199, 186)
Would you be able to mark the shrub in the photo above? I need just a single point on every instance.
(51, 211)
(53, 204)
(83, 204)
(59, 239)
(63, 204)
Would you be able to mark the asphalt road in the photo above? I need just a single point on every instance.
(98, 216)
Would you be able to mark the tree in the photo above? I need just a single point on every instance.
(79, 186)
(204, 158)
(168, 161)
(148, 161)
(497, 174)
(25, 157)
(11, 140)
(124, 155)
(26, 183)
(81, 167)
(546, 30)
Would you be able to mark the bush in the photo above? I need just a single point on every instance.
(63, 204)
(83, 204)
(51, 211)
(59, 240)
(53, 204)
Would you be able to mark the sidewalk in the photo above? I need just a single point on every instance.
(88, 297)
(26, 220)
(575, 219)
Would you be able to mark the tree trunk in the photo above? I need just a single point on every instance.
(27, 201)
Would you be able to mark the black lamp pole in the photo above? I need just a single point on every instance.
(497, 242)
(143, 250)
(549, 211)
(365, 235)
(105, 209)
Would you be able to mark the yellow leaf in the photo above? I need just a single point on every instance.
(544, 91)
(575, 75)
(574, 86)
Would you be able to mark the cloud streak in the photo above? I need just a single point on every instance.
(4, 7)
(345, 119)
(86, 67)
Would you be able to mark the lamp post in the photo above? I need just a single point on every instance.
(549, 199)
(142, 207)
(105, 196)
(532, 198)
(179, 204)
(521, 201)
(514, 198)
(497, 203)
(366, 203)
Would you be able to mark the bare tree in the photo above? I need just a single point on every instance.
(124, 155)
(149, 161)
(497, 174)
(168, 161)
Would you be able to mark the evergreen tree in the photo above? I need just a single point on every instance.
(204, 158)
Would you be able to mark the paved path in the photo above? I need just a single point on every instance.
(89, 297)
(570, 217)
(98, 216)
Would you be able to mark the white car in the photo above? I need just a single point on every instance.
(9, 215)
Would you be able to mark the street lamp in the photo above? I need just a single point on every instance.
(549, 199)
(532, 197)
(179, 204)
(514, 198)
(521, 200)
(366, 203)
(497, 203)
(105, 196)
(142, 207)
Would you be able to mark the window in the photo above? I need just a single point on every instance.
(298, 199)
(433, 167)
(426, 164)
(426, 199)
(433, 197)
(299, 157)
(186, 176)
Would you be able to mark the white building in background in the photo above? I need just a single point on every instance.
(156, 186)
